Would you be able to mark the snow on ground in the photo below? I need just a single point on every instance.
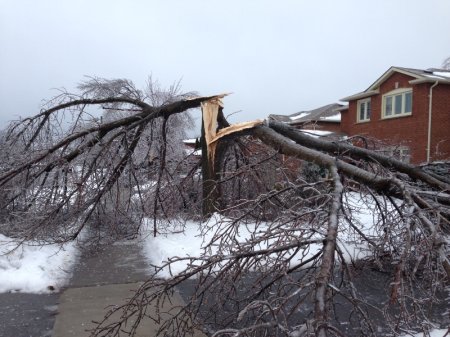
(183, 242)
(35, 269)
(188, 241)
(433, 333)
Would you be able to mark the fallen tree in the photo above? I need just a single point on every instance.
(58, 178)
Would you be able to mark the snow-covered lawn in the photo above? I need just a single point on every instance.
(35, 269)
(192, 239)
(190, 243)
(183, 242)
(189, 240)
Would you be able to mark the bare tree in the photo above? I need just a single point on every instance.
(66, 166)
(292, 271)
(446, 63)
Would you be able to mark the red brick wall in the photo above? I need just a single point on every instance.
(406, 130)
(440, 122)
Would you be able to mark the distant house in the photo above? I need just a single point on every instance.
(323, 121)
(407, 108)
(192, 146)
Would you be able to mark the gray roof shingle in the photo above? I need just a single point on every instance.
(319, 114)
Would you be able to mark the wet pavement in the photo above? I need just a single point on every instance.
(79, 307)
(104, 279)
(120, 262)
(371, 285)
(27, 315)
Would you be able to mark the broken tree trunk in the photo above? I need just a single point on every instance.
(215, 128)
(210, 193)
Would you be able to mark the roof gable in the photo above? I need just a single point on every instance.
(405, 71)
(418, 75)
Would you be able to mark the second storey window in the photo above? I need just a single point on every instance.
(397, 103)
(364, 110)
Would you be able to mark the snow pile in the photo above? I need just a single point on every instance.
(183, 242)
(192, 238)
(31, 268)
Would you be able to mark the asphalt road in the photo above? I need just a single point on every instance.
(371, 285)
(27, 315)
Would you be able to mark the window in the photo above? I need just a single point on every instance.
(364, 110)
(397, 103)
(402, 153)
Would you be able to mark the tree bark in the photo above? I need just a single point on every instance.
(321, 305)
(209, 188)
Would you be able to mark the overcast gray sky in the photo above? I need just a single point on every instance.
(275, 56)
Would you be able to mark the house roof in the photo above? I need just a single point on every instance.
(190, 140)
(328, 113)
(418, 75)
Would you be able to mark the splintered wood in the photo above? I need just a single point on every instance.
(236, 127)
(210, 110)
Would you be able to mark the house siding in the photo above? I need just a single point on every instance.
(411, 131)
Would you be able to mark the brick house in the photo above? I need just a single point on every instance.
(407, 109)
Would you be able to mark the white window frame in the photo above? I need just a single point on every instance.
(367, 106)
(394, 96)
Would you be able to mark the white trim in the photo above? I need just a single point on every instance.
(396, 93)
(373, 89)
(429, 80)
(360, 95)
(367, 110)
(388, 74)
